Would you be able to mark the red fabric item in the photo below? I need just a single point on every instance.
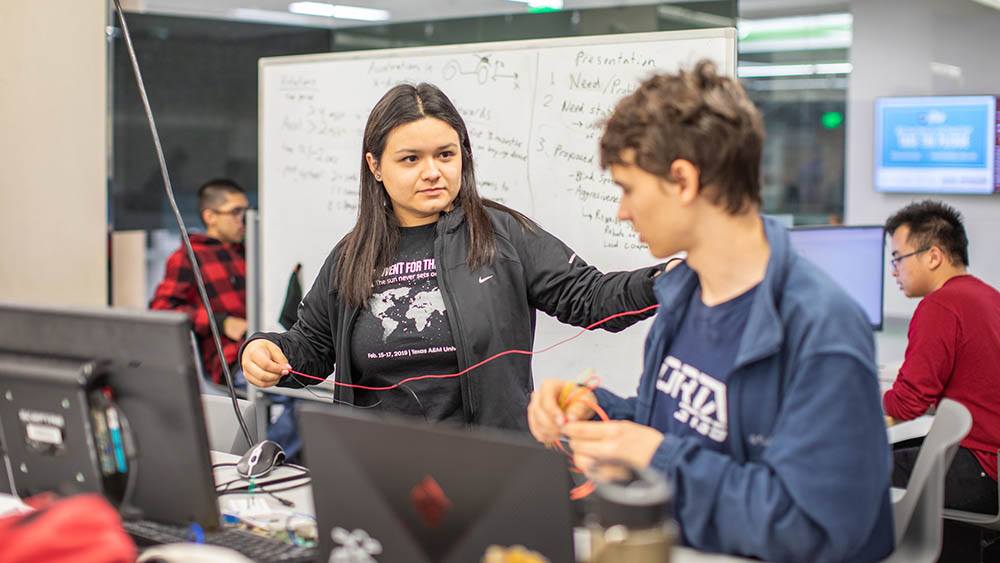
(954, 352)
(80, 529)
(224, 270)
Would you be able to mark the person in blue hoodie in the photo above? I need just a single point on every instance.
(759, 397)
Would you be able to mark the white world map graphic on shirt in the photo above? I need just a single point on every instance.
(421, 307)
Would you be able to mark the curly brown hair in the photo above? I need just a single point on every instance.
(699, 116)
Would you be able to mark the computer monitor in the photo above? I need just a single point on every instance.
(147, 361)
(937, 144)
(853, 256)
(410, 491)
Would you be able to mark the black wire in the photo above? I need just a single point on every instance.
(307, 388)
(262, 489)
(261, 486)
(255, 491)
(180, 221)
(333, 397)
(417, 399)
(303, 473)
(285, 502)
(288, 488)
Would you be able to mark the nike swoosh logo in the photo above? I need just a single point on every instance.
(481, 280)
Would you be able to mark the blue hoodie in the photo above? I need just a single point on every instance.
(805, 474)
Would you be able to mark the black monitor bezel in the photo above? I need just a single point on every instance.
(151, 369)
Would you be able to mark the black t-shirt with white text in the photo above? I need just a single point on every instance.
(404, 332)
(692, 390)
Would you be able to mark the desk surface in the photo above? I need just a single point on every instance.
(303, 499)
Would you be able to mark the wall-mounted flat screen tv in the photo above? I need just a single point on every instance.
(937, 144)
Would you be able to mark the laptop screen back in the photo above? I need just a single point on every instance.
(401, 490)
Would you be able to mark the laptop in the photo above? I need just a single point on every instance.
(399, 490)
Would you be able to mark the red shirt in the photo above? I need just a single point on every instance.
(224, 270)
(954, 352)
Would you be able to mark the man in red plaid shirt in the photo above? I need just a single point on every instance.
(220, 253)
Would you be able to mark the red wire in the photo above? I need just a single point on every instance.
(580, 491)
(483, 362)
(584, 489)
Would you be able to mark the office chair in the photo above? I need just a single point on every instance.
(988, 521)
(917, 510)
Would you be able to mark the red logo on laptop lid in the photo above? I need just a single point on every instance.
(430, 501)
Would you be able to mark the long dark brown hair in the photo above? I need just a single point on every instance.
(367, 250)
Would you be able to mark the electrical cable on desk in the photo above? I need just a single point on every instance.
(303, 472)
(247, 489)
(251, 484)
(255, 488)
(269, 492)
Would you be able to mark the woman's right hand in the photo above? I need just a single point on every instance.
(546, 416)
(264, 363)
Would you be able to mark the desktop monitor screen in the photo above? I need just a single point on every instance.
(941, 144)
(149, 365)
(852, 256)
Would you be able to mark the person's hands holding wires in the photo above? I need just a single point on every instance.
(555, 403)
(264, 364)
(616, 440)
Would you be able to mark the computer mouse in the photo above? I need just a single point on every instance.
(260, 460)
(191, 553)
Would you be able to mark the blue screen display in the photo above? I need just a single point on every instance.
(944, 144)
(852, 256)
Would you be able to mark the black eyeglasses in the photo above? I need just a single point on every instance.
(897, 259)
(236, 212)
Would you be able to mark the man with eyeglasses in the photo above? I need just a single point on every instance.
(953, 351)
(223, 205)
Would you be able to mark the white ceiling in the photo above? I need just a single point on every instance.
(276, 11)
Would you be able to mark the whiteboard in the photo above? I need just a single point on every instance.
(533, 110)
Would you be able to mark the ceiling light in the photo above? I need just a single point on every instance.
(338, 11)
(800, 33)
(989, 3)
(548, 4)
(768, 71)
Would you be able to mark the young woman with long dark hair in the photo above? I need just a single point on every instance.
(432, 279)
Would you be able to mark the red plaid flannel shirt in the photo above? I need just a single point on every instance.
(223, 267)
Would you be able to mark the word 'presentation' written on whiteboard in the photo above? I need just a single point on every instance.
(534, 111)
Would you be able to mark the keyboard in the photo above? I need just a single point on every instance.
(258, 548)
